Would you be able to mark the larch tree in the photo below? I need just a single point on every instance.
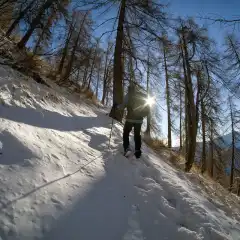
(192, 40)
(36, 20)
(25, 8)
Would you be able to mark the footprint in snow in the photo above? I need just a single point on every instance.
(57, 203)
(55, 156)
(185, 233)
(142, 187)
(168, 208)
(172, 202)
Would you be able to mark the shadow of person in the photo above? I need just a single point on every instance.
(101, 141)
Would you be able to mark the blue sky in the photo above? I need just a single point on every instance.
(194, 8)
(213, 9)
(223, 8)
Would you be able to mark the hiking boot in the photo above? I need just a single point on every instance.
(138, 153)
(127, 152)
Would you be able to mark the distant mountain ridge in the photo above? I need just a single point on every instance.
(225, 141)
(225, 144)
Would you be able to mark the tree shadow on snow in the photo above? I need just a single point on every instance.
(12, 151)
(50, 120)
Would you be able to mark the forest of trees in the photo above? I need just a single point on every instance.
(196, 83)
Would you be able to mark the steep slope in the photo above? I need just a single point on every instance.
(59, 180)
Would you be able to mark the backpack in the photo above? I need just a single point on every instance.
(137, 107)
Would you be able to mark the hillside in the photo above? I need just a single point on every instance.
(59, 180)
(223, 145)
(225, 141)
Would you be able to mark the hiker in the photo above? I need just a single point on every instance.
(137, 109)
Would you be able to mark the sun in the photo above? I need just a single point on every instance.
(150, 101)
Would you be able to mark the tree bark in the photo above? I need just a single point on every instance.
(46, 26)
(211, 149)
(180, 121)
(233, 147)
(35, 23)
(192, 128)
(203, 157)
(92, 67)
(69, 66)
(19, 18)
(148, 130)
(186, 108)
(84, 81)
(105, 76)
(199, 90)
(118, 66)
(167, 99)
(98, 79)
(65, 50)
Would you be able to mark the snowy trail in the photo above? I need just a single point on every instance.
(59, 181)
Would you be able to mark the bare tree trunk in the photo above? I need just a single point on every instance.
(123, 64)
(65, 50)
(85, 75)
(98, 79)
(203, 157)
(192, 123)
(35, 23)
(199, 90)
(37, 44)
(233, 148)
(211, 149)
(105, 87)
(46, 26)
(148, 130)
(167, 99)
(130, 69)
(78, 74)
(186, 126)
(109, 87)
(118, 66)
(19, 18)
(105, 76)
(69, 66)
(107, 97)
(186, 107)
(93, 65)
(180, 121)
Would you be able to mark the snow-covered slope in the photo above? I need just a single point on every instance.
(59, 180)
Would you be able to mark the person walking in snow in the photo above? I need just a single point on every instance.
(137, 109)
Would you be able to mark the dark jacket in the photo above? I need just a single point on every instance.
(131, 117)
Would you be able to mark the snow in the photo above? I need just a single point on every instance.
(59, 180)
